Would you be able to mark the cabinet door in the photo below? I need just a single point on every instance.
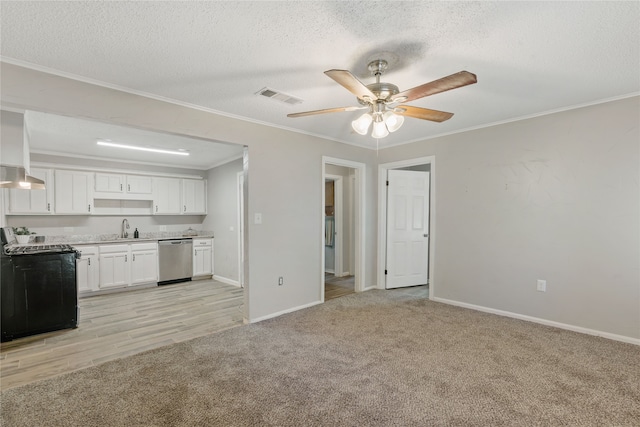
(87, 269)
(202, 261)
(138, 184)
(144, 266)
(166, 196)
(31, 202)
(109, 183)
(73, 194)
(194, 196)
(114, 270)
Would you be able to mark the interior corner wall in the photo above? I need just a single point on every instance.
(556, 197)
(222, 218)
(284, 178)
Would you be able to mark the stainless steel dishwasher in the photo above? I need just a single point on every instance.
(175, 259)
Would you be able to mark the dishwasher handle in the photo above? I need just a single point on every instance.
(175, 242)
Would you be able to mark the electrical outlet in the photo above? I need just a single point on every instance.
(280, 281)
(542, 286)
(257, 218)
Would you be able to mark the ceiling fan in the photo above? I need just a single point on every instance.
(382, 99)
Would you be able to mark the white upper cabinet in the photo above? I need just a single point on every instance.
(83, 192)
(119, 186)
(139, 185)
(33, 202)
(109, 183)
(166, 196)
(194, 196)
(73, 192)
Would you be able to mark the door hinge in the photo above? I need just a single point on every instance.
(387, 183)
(385, 272)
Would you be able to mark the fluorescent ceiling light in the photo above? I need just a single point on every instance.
(135, 147)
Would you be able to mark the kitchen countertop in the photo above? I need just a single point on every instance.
(101, 239)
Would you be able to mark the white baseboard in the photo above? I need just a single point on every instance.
(328, 270)
(227, 281)
(369, 288)
(615, 337)
(289, 310)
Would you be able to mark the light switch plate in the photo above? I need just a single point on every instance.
(542, 286)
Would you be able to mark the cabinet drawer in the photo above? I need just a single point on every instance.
(144, 246)
(201, 242)
(109, 249)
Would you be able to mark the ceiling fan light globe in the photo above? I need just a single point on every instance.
(379, 130)
(393, 121)
(361, 124)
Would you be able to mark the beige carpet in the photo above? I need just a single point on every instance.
(381, 358)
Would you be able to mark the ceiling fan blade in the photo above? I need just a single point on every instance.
(326, 110)
(351, 83)
(422, 113)
(453, 81)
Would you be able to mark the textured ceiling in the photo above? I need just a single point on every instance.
(530, 57)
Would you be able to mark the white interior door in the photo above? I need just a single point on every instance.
(407, 228)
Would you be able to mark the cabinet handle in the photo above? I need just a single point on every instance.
(120, 187)
(185, 208)
(89, 261)
(48, 207)
(89, 208)
(125, 258)
(156, 208)
(128, 187)
(134, 257)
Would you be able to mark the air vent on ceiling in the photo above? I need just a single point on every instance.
(279, 96)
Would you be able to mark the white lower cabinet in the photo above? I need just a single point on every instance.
(144, 263)
(114, 266)
(202, 257)
(123, 265)
(87, 269)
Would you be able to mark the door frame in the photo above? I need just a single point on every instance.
(382, 216)
(338, 267)
(360, 219)
(240, 227)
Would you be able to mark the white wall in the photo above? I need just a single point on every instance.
(554, 197)
(222, 218)
(284, 178)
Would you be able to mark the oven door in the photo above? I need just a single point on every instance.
(39, 294)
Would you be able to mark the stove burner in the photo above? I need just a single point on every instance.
(13, 250)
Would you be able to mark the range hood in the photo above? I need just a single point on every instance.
(14, 154)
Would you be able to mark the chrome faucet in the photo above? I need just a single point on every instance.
(125, 227)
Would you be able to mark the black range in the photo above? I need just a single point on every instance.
(38, 288)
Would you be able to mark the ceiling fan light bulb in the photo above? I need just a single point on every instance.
(393, 121)
(379, 130)
(361, 124)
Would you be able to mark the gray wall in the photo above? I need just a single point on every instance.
(554, 197)
(222, 216)
(284, 179)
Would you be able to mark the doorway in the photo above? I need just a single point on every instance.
(423, 252)
(342, 225)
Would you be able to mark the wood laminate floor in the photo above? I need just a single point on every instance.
(119, 325)
(336, 287)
